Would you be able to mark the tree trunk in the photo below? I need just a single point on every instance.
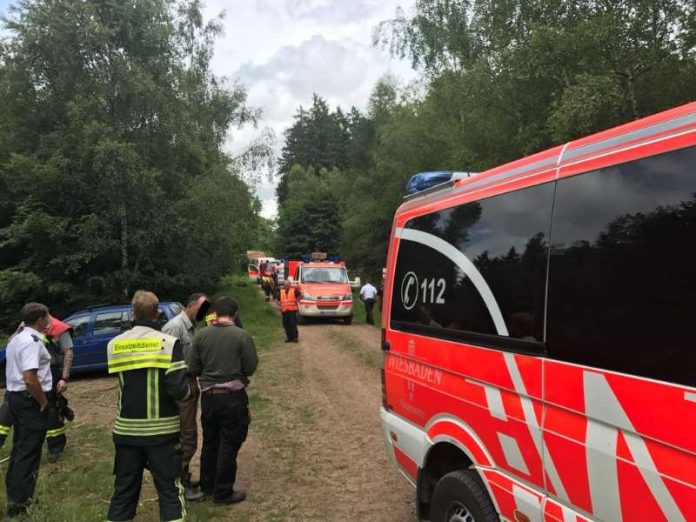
(124, 248)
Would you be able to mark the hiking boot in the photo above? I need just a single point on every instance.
(236, 496)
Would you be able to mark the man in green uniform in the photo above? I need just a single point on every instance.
(151, 379)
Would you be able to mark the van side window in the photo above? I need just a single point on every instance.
(622, 280)
(477, 272)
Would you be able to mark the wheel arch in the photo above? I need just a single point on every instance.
(454, 446)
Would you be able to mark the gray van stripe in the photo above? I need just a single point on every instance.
(631, 136)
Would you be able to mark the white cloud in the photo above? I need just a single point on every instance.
(283, 51)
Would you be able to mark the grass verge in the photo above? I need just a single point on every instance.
(359, 311)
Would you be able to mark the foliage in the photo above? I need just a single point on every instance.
(500, 80)
(112, 173)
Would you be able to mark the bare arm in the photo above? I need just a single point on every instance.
(31, 379)
(68, 362)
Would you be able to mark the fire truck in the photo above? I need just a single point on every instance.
(324, 287)
(539, 338)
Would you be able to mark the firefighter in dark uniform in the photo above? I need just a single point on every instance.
(28, 374)
(151, 375)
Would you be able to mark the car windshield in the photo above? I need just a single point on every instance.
(324, 275)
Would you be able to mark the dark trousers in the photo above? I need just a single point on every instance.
(188, 414)
(290, 325)
(29, 425)
(164, 463)
(369, 305)
(225, 420)
(55, 436)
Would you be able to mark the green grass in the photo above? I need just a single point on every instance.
(359, 311)
(78, 488)
(259, 319)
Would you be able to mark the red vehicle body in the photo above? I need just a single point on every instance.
(325, 289)
(540, 334)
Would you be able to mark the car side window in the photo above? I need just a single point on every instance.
(79, 325)
(622, 279)
(477, 272)
(108, 323)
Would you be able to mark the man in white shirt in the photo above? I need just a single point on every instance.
(28, 376)
(367, 296)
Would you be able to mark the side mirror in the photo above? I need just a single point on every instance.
(355, 283)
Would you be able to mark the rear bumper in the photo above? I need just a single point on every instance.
(320, 309)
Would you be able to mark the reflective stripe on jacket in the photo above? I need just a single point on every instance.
(151, 377)
(288, 300)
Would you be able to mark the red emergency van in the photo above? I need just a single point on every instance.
(324, 287)
(540, 334)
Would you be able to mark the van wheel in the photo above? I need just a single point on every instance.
(460, 496)
(348, 320)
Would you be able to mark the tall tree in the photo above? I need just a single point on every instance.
(111, 161)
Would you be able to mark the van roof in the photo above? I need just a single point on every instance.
(607, 145)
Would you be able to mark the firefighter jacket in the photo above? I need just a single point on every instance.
(288, 300)
(151, 375)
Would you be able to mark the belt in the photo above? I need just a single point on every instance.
(220, 391)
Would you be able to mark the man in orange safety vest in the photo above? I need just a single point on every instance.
(288, 308)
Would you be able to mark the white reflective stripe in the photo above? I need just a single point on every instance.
(601, 443)
(568, 515)
(601, 404)
(412, 440)
(528, 503)
(465, 265)
(512, 453)
(691, 397)
(495, 402)
(533, 424)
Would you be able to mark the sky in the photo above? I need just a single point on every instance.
(283, 51)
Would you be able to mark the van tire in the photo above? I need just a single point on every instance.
(461, 493)
(348, 320)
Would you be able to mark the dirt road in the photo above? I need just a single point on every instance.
(314, 450)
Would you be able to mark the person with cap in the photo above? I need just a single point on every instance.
(28, 378)
(152, 381)
(223, 357)
(288, 309)
(183, 327)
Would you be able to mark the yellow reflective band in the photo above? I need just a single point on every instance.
(179, 365)
(5, 430)
(56, 432)
(137, 345)
(210, 318)
(135, 362)
(143, 432)
(148, 422)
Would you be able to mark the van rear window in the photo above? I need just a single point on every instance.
(476, 270)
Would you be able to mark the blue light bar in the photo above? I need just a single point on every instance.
(425, 180)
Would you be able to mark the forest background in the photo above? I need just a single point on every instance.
(113, 170)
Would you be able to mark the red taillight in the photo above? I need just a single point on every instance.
(385, 348)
